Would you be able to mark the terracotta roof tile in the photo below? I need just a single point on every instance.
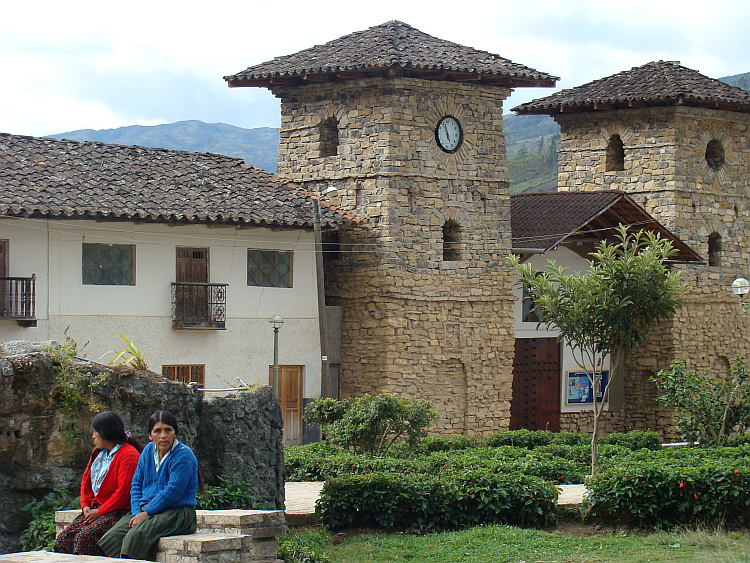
(655, 83)
(47, 177)
(393, 46)
(541, 221)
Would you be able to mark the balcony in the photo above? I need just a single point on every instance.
(18, 300)
(199, 306)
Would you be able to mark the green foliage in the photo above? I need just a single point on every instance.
(40, 533)
(633, 440)
(228, 495)
(527, 439)
(73, 388)
(695, 486)
(607, 310)
(445, 443)
(708, 409)
(303, 548)
(129, 354)
(427, 502)
(372, 424)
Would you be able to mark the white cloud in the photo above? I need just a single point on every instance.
(87, 64)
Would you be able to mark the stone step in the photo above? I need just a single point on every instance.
(223, 536)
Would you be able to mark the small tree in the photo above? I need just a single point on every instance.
(371, 424)
(607, 310)
(708, 409)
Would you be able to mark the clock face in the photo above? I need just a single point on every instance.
(448, 134)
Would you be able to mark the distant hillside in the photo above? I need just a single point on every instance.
(739, 80)
(531, 142)
(258, 147)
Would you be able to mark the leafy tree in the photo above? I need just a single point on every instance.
(708, 410)
(607, 310)
(372, 424)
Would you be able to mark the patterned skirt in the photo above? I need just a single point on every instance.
(80, 538)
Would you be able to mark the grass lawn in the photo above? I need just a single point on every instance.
(507, 544)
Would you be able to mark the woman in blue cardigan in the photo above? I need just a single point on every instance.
(162, 496)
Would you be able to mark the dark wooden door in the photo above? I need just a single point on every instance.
(192, 265)
(192, 301)
(536, 385)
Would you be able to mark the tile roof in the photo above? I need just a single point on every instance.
(541, 221)
(653, 84)
(50, 178)
(392, 48)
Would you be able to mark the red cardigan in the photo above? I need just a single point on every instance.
(114, 491)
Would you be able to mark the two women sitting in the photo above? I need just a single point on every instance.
(145, 498)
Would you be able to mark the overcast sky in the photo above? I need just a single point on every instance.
(98, 65)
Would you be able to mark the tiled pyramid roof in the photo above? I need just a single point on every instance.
(46, 177)
(390, 49)
(654, 84)
(542, 221)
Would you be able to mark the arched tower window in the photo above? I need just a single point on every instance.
(451, 241)
(329, 137)
(714, 249)
(715, 155)
(615, 156)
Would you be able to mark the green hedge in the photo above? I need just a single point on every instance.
(681, 487)
(633, 440)
(427, 502)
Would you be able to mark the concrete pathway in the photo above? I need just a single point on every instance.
(301, 497)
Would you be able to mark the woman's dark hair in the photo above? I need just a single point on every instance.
(163, 416)
(110, 426)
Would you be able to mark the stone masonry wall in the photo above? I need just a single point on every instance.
(667, 173)
(414, 323)
(42, 447)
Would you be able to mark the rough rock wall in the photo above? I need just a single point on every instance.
(43, 446)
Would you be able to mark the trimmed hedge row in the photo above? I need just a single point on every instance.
(559, 469)
(427, 502)
(681, 487)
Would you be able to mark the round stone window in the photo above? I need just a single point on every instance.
(715, 154)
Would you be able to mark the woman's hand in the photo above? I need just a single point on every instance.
(90, 514)
(138, 518)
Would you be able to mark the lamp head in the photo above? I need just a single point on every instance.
(276, 321)
(740, 286)
(329, 191)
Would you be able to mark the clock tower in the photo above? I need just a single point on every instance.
(408, 128)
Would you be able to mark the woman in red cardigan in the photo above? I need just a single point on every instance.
(105, 487)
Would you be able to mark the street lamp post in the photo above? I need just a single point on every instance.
(276, 322)
(325, 383)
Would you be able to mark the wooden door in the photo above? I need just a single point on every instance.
(192, 264)
(192, 301)
(536, 385)
(290, 399)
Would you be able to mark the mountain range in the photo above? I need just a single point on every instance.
(528, 141)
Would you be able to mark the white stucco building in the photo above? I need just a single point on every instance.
(188, 255)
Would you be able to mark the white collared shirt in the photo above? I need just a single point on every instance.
(158, 461)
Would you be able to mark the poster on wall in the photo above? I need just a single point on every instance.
(579, 387)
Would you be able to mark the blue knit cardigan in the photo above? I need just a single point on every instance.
(173, 486)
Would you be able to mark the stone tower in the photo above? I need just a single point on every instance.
(408, 128)
(678, 142)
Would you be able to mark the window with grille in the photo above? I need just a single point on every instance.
(108, 264)
(269, 268)
(186, 373)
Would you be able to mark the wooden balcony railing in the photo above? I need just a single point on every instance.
(199, 305)
(18, 299)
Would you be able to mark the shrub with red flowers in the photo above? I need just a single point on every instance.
(695, 486)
